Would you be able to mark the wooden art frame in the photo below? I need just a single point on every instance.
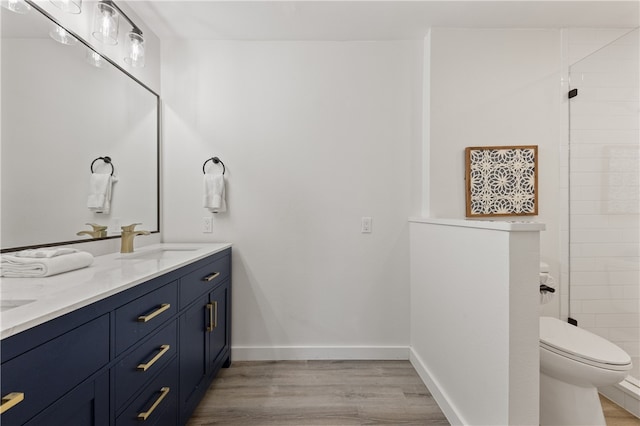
(501, 180)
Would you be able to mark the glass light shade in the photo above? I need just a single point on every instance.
(105, 23)
(96, 59)
(135, 49)
(69, 6)
(61, 35)
(17, 6)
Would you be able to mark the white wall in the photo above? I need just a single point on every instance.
(496, 87)
(314, 136)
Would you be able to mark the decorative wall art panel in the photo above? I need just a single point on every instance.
(502, 180)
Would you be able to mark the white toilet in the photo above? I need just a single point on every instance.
(573, 364)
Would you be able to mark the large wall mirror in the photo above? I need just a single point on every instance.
(60, 112)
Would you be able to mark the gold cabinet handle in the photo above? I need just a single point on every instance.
(210, 309)
(211, 277)
(152, 315)
(145, 367)
(213, 316)
(11, 400)
(163, 393)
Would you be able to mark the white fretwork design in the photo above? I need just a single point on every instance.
(501, 181)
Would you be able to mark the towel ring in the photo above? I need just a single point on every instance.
(215, 160)
(107, 160)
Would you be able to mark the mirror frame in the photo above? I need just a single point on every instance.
(48, 16)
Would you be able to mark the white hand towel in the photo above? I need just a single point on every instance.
(100, 188)
(214, 193)
(23, 267)
(45, 252)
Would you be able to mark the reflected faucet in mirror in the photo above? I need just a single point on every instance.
(128, 233)
(99, 231)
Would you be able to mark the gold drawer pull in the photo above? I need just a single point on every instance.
(152, 315)
(211, 277)
(213, 316)
(10, 400)
(163, 393)
(163, 350)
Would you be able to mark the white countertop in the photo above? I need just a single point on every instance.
(109, 274)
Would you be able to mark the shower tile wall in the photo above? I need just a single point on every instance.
(605, 191)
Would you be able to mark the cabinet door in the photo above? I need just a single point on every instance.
(218, 326)
(193, 351)
(86, 405)
(49, 371)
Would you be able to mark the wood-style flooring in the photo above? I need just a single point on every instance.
(333, 393)
(318, 393)
(617, 416)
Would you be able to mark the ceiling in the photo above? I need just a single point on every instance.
(369, 20)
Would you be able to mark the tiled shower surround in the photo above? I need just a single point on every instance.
(604, 193)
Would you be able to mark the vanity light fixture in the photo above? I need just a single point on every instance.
(105, 22)
(95, 59)
(17, 6)
(135, 48)
(69, 6)
(61, 35)
(105, 29)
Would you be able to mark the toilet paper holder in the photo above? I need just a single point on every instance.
(546, 288)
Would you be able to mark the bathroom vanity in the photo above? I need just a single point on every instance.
(135, 338)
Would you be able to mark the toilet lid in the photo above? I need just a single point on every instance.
(580, 343)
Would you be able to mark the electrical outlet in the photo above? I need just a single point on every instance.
(365, 225)
(207, 224)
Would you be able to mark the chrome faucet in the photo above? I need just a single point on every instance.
(128, 234)
(99, 231)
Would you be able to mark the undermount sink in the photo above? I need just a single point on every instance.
(5, 305)
(161, 253)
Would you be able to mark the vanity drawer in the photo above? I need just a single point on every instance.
(141, 316)
(45, 373)
(137, 367)
(204, 279)
(158, 402)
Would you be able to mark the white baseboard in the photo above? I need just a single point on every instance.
(441, 398)
(291, 353)
(626, 394)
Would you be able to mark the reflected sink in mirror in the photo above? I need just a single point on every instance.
(162, 253)
(5, 305)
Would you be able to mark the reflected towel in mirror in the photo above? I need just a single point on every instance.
(100, 189)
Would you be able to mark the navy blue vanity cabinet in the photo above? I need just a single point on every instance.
(204, 330)
(145, 355)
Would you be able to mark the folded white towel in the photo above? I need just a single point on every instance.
(23, 267)
(214, 193)
(45, 252)
(100, 188)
